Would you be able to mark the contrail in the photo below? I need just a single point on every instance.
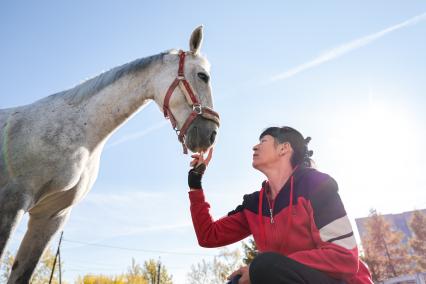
(136, 135)
(345, 48)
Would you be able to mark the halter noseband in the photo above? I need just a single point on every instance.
(193, 101)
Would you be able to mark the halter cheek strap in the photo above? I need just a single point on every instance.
(193, 101)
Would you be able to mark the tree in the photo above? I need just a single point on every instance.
(135, 274)
(216, 271)
(42, 272)
(101, 279)
(201, 273)
(250, 251)
(385, 253)
(150, 272)
(6, 266)
(44, 269)
(418, 241)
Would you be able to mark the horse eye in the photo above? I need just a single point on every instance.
(204, 77)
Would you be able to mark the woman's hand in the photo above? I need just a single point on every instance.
(199, 165)
(198, 158)
(245, 275)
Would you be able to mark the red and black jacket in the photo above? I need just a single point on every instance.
(312, 229)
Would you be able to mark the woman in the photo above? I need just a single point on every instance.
(297, 219)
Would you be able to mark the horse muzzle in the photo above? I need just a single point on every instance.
(201, 134)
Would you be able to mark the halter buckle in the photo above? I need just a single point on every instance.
(197, 108)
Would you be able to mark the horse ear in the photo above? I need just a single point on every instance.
(196, 40)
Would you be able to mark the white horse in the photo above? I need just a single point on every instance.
(50, 149)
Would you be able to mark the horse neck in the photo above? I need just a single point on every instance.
(112, 106)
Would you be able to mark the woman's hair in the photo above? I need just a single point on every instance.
(301, 153)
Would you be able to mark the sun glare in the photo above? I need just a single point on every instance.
(380, 146)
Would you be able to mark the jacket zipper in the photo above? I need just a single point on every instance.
(271, 209)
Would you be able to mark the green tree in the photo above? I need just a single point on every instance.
(216, 271)
(418, 241)
(250, 251)
(385, 253)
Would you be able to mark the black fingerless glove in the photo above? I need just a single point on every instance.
(195, 175)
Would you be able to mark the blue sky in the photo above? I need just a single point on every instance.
(348, 74)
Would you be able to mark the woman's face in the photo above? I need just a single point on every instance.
(265, 153)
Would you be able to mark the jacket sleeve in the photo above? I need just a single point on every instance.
(210, 233)
(336, 251)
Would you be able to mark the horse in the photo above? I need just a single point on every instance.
(50, 149)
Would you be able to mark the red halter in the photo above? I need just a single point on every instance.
(191, 97)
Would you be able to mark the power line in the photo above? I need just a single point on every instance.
(94, 264)
(136, 249)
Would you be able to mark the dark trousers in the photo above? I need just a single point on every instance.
(274, 268)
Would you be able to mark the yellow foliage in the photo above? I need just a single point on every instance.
(104, 279)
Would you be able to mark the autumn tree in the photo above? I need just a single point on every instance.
(250, 251)
(216, 271)
(150, 272)
(136, 274)
(101, 279)
(6, 265)
(418, 241)
(42, 272)
(385, 253)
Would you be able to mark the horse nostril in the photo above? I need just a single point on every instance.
(213, 137)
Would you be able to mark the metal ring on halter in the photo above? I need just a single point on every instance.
(197, 108)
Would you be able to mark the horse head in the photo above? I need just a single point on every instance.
(184, 94)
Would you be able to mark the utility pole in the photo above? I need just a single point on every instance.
(59, 259)
(159, 271)
(58, 253)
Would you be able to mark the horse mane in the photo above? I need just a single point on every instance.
(92, 86)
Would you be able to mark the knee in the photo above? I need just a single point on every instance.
(262, 264)
(263, 260)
